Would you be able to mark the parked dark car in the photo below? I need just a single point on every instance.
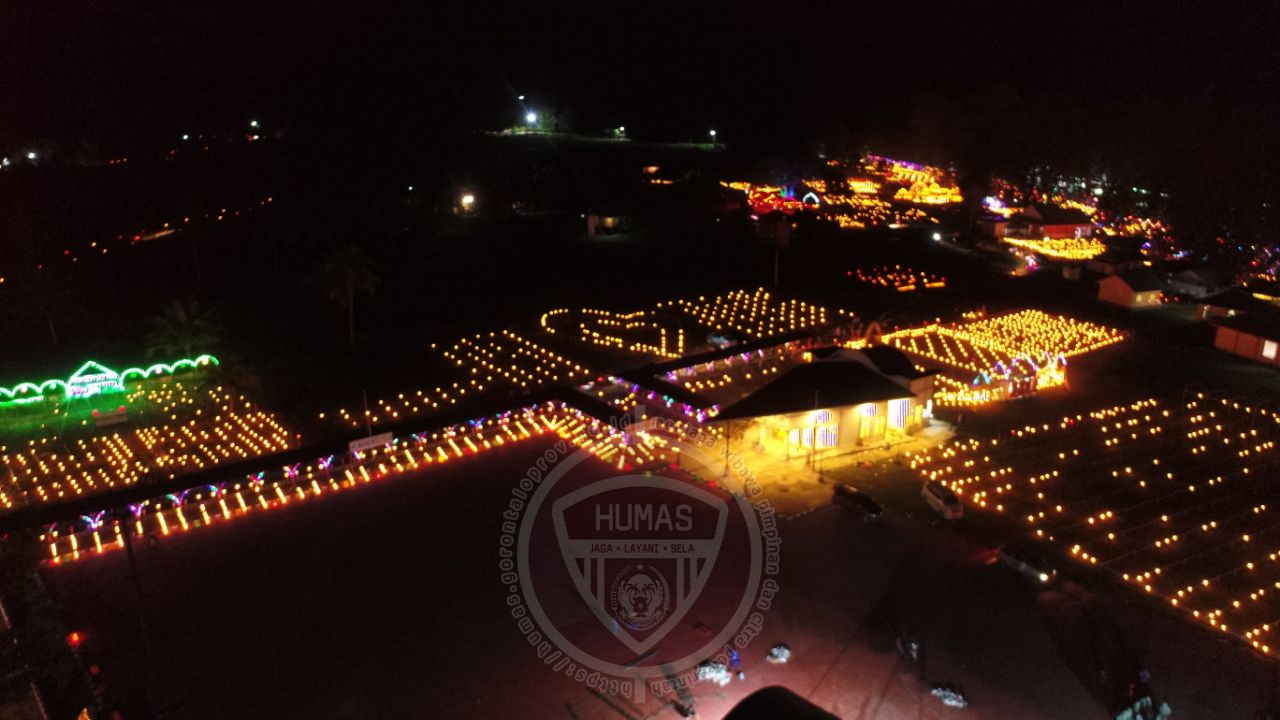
(1028, 562)
(856, 501)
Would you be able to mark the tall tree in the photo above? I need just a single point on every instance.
(44, 300)
(342, 274)
(182, 328)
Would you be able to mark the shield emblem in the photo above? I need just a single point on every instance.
(640, 551)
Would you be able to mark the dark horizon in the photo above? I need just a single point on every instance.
(1139, 91)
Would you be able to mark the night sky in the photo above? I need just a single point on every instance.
(1176, 98)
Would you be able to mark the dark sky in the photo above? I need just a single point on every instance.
(1173, 91)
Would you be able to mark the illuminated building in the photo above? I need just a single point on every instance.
(1051, 221)
(796, 402)
(1256, 337)
(1136, 289)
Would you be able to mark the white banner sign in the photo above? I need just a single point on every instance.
(370, 442)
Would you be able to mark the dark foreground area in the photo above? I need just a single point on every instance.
(383, 601)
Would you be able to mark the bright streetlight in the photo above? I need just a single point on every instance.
(468, 200)
(253, 123)
(713, 136)
(31, 156)
(531, 117)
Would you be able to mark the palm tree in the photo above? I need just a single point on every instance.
(44, 300)
(182, 329)
(342, 274)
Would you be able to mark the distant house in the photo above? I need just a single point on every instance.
(604, 220)
(996, 226)
(1200, 282)
(1136, 289)
(1111, 262)
(1230, 303)
(1051, 221)
(1256, 338)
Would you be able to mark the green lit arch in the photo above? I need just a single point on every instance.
(24, 392)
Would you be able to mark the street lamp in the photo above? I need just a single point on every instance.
(468, 201)
(531, 118)
(31, 156)
(253, 123)
(713, 137)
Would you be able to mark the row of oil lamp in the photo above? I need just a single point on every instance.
(754, 314)
(1059, 248)
(898, 277)
(187, 439)
(209, 505)
(1162, 477)
(619, 331)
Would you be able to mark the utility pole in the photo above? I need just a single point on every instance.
(728, 433)
(813, 444)
(368, 427)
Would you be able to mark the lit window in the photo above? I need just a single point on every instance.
(1269, 349)
(898, 413)
(828, 436)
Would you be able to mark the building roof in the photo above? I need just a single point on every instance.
(1142, 280)
(1265, 326)
(1237, 299)
(816, 385)
(1118, 256)
(892, 361)
(1207, 276)
(1054, 215)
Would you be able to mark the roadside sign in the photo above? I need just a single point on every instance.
(373, 441)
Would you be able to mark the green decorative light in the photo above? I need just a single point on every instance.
(94, 378)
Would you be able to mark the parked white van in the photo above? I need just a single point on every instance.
(942, 500)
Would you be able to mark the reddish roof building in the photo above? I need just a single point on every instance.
(1051, 221)
(1137, 289)
(1256, 338)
